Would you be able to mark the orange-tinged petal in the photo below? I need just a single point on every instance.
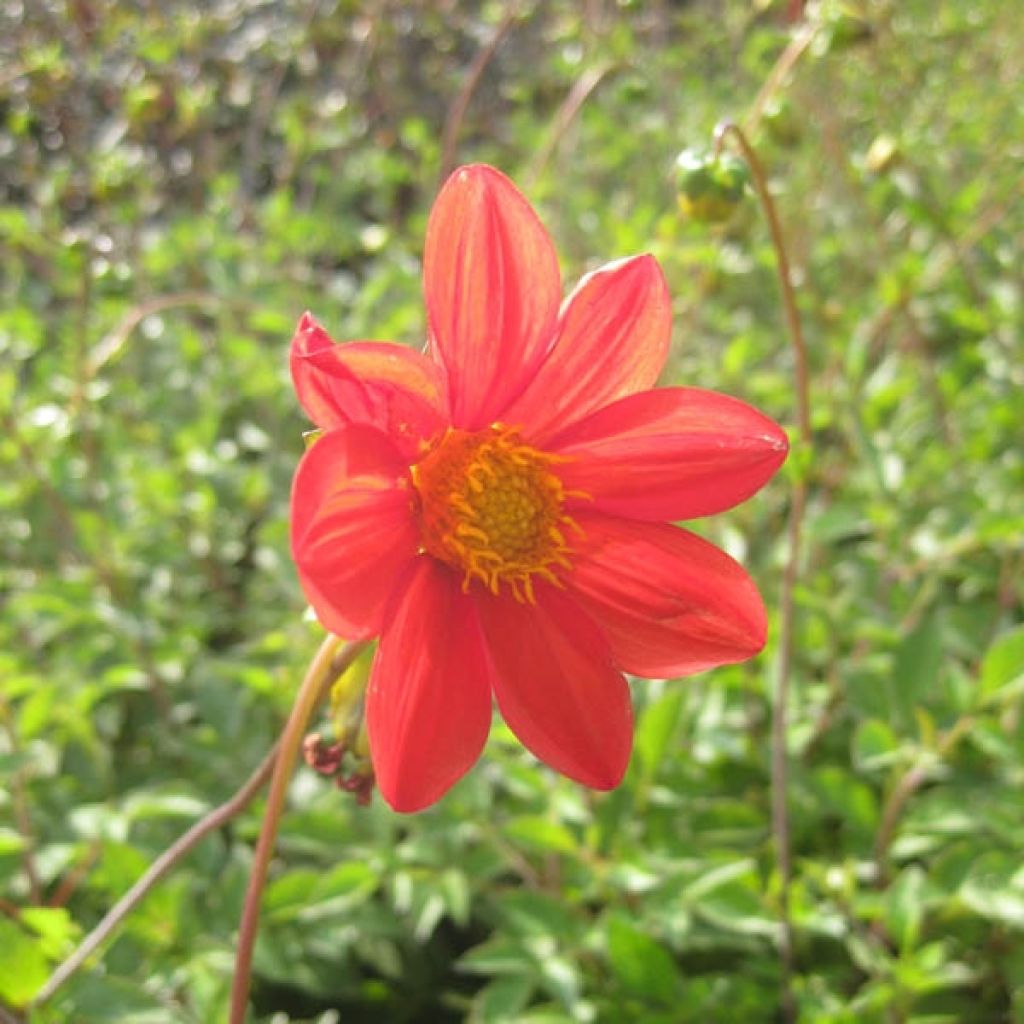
(556, 686)
(492, 290)
(428, 704)
(353, 529)
(377, 384)
(669, 603)
(671, 453)
(612, 339)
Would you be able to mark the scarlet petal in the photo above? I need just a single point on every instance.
(669, 602)
(353, 531)
(671, 453)
(428, 705)
(612, 338)
(557, 688)
(386, 386)
(492, 289)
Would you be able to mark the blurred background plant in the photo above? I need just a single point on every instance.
(179, 181)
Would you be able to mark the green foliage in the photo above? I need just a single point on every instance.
(180, 181)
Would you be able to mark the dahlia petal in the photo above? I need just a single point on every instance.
(557, 688)
(428, 704)
(492, 290)
(378, 384)
(612, 339)
(353, 531)
(670, 453)
(669, 603)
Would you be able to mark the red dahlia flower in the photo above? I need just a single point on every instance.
(498, 511)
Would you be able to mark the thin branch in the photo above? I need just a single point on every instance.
(327, 665)
(777, 76)
(460, 104)
(780, 703)
(564, 116)
(74, 878)
(160, 867)
(218, 817)
(111, 345)
(907, 785)
(793, 324)
(260, 119)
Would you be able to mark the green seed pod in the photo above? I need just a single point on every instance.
(710, 188)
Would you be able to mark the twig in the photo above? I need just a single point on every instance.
(459, 106)
(793, 324)
(74, 878)
(325, 668)
(779, 763)
(909, 783)
(218, 817)
(259, 121)
(160, 867)
(777, 76)
(112, 344)
(564, 116)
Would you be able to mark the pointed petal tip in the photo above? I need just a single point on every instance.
(478, 172)
(609, 776)
(428, 703)
(492, 289)
(403, 800)
(669, 603)
(309, 337)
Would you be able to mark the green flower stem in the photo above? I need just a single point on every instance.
(780, 702)
(327, 665)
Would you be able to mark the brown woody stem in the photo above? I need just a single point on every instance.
(780, 703)
(327, 665)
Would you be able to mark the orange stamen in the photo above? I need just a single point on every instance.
(491, 506)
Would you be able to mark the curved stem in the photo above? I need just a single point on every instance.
(777, 76)
(326, 666)
(780, 703)
(728, 129)
(161, 866)
(459, 106)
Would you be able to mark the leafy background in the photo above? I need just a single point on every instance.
(179, 181)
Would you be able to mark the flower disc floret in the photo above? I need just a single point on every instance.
(493, 508)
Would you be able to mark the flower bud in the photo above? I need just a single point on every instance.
(710, 188)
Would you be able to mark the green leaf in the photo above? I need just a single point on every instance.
(643, 965)
(54, 926)
(906, 905)
(875, 745)
(658, 724)
(23, 966)
(915, 673)
(497, 956)
(502, 1000)
(10, 841)
(989, 890)
(1002, 668)
(542, 834)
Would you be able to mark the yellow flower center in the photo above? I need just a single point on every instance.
(491, 507)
